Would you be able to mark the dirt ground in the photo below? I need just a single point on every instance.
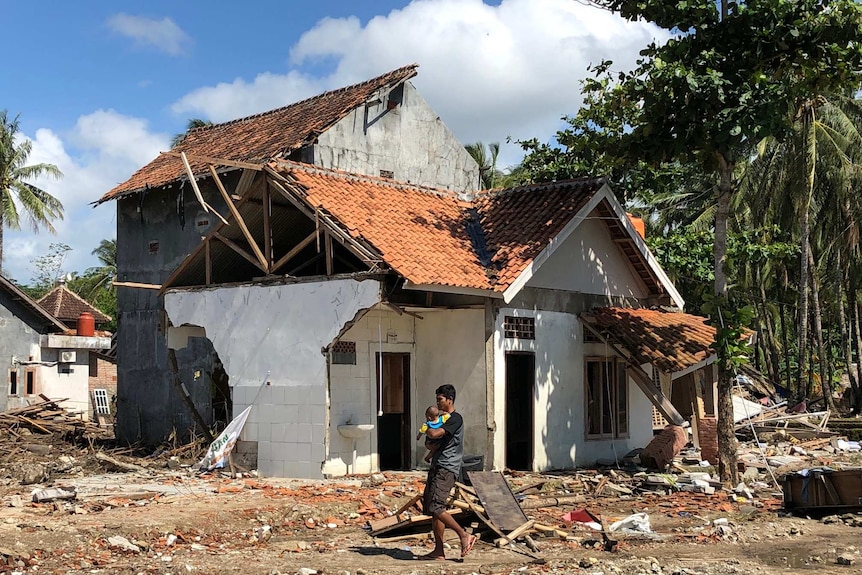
(176, 521)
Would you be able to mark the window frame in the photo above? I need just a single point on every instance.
(13, 382)
(620, 424)
(28, 388)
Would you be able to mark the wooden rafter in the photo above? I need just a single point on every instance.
(294, 251)
(247, 193)
(640, 377)
(267, 226)
(217, 161)
(229, 243)
(208, 262)
(240, 221)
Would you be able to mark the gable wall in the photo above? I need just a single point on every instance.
(17, 339)
(410, 140)
(589, 262)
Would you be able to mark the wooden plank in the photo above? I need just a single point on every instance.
(136, 285)
(294, 251)
(193, 182)
(267, 227)
(481, 515)
(217, 161)
(240, 222)
(208, 262)
(328, 248)
(240, 251)
(830, 489)
(497, 499)
(515, 533)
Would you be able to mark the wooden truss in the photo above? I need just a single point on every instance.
(262, 184)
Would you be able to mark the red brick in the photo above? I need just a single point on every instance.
(659, 452)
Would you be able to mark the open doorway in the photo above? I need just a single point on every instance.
(393, 427)
(520, 391)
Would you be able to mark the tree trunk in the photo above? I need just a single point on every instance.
(727, 462)
(846, 345)
(1, 244)
(772, 362)
(857, 337)
(788, 383)
(825, 375)
(802, 335)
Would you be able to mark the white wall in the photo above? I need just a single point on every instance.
(445, 346)
(559, 414)
(280, 329)
(73, 386)
(589, 262)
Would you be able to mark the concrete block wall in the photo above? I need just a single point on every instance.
(287, 422)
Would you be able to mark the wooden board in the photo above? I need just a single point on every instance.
(496, 497)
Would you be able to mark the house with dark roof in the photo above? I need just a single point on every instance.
(381, 127)
(41, 356)
(541, 304)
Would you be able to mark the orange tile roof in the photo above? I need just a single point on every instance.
(262, 137)
(67, 306)
(425, 235)
(671, 341)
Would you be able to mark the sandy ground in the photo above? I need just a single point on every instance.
(184, 523)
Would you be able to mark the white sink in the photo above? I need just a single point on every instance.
(355, 430)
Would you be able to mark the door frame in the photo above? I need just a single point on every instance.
(534, 385)
(406, 348)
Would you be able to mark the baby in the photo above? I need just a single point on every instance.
(434, 420)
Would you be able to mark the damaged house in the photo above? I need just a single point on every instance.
(531, 301)
(381, 127)
(331, 263)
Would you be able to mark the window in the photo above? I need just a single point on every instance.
(13, 382)
(343, 353)
(590, 337)
(607, 399)
(30, 378)
(519, 327)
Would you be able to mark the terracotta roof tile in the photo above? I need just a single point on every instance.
(422, 233)
(67, 306)
(261, 137)
(669, 340)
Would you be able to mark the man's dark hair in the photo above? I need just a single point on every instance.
(446, 390)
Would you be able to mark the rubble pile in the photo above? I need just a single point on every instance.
(47, 418)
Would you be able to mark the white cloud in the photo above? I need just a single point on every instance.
(162, 34)
(490, 71)
(102, 150)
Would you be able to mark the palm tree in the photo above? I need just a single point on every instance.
(192, 124)
(486, 157)
(40, 207)
(105, 274)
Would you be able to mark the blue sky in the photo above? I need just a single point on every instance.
(101, 87)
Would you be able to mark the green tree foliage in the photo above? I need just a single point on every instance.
(192, 124)
(17, 192)
(731, 75)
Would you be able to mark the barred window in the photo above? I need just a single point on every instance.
(519, 327)
(343, 353)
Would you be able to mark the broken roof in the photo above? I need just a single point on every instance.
(671, 341)
(67, 306)
(261, 137)
(428, 236)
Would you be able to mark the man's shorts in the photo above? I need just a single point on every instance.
(440, 482)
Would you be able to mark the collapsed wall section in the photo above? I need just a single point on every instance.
(276, 333)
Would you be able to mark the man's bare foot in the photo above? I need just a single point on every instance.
(467, 543)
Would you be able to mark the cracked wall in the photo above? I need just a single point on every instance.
(279, 330)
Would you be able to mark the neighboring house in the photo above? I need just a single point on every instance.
(67, 306)
(380, 291)
(40, 355)
(381, 127)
